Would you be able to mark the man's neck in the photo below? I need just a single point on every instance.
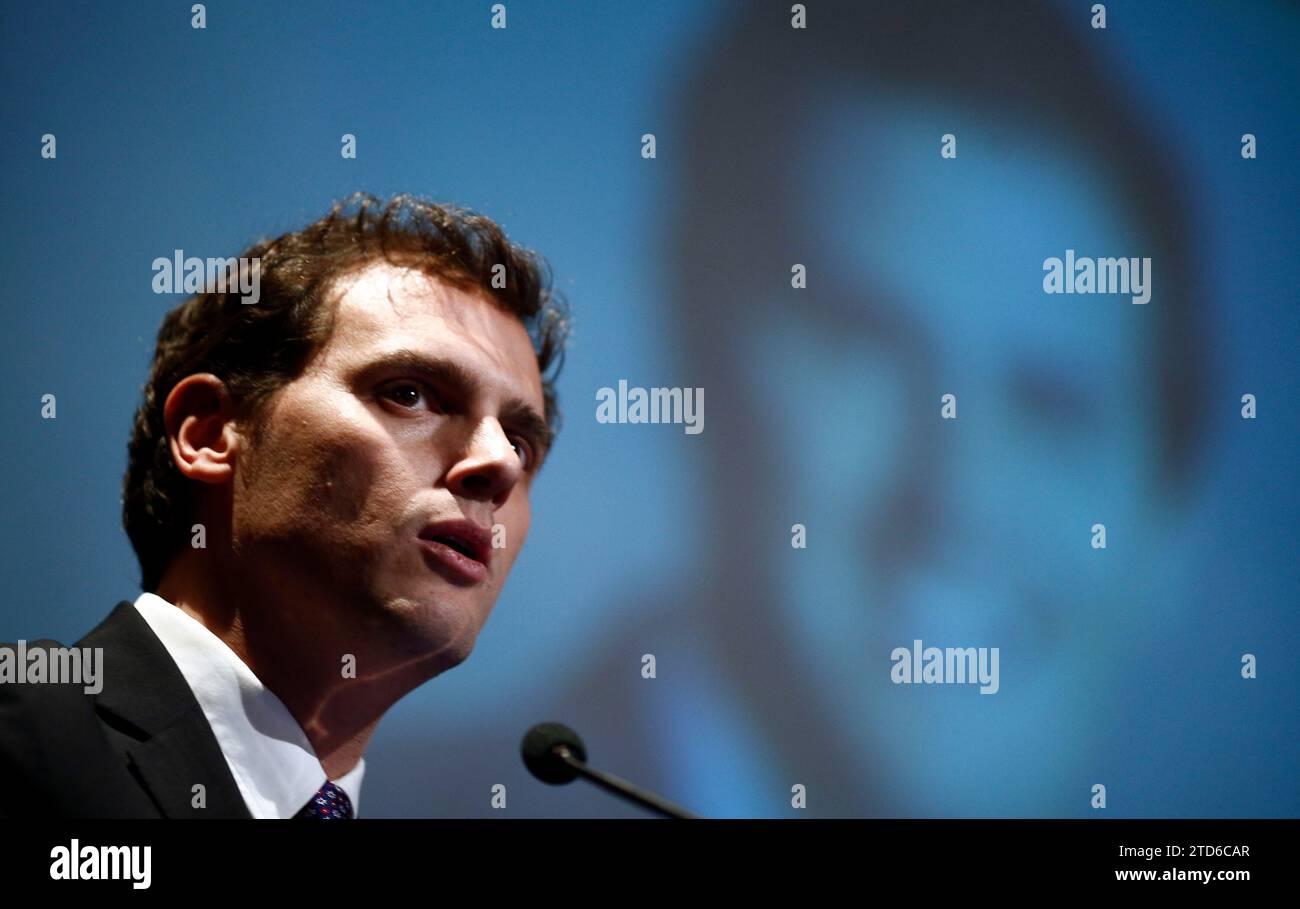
(303, 663)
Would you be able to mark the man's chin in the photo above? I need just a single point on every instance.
(440, 629)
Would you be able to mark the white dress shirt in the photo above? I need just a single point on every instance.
(273, 762)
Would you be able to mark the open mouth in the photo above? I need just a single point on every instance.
(462, 540)
(456, 543)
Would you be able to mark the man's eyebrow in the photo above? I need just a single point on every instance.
(515, 412)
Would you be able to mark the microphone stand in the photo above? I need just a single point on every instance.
(611, 783)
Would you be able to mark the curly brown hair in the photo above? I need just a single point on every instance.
(259, 348)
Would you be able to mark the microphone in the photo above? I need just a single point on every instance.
(555, 754)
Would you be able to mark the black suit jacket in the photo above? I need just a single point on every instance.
(136, 749)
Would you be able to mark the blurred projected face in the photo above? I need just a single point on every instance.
(973, 532)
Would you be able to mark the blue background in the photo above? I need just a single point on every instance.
(206, 140)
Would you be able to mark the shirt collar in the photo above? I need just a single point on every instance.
(272, 760)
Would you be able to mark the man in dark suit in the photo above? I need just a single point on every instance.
(137, 749)
(328, 483)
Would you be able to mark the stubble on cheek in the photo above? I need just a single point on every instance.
(329, 502)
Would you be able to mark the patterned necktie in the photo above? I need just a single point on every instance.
(328, 804)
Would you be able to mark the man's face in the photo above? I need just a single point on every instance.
(354, 459)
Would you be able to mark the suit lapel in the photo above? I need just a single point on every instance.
(173, 763)
(145, 697)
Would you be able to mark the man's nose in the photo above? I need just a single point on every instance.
(488, 466)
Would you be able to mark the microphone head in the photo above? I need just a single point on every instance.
(538, 750)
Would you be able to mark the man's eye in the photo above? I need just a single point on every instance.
(408, 394)
(524, 450)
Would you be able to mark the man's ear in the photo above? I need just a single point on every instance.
(200, 421)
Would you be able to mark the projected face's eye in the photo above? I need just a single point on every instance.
(1042, 394)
